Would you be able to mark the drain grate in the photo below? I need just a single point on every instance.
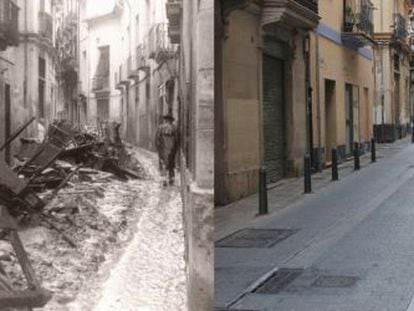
(278, 281)
(256, 238)
(335, 281)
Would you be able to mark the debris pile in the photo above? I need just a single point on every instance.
(53, 191)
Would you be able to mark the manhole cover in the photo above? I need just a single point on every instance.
(278, 281)
(335, 281)
(256, 238)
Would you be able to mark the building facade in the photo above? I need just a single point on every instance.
(29, 67)
(342, 70)
(128, 66)
(393, 55)
(262, 92)
(191, 27)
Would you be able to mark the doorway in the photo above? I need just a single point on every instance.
(330, 118)
(349, 120)
(274, 118)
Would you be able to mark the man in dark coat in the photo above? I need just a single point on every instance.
(167, 146)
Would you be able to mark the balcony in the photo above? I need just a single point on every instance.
(9, 24)
(301, 14)
(46, 25)
(123, 74)
(66, 42)
(173, 8)
(142, 58)
(131, 70)
(100, 83)
(400, 33)
(311, 5)
(358, 28)
(117, 81)
(160, 48)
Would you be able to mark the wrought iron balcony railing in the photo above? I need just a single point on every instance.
(9, 24)
(46, 25)
(360, 18)
(309, 4)
(160, 47)
(358, 27)
(141, 57)
(400, 27)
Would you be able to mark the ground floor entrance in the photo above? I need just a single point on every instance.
(274, 118)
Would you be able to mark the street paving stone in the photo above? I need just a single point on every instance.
(360, 227)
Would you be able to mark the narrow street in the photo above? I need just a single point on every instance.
(149, 272)
(350, 245)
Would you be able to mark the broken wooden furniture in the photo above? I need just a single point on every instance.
(34, 296)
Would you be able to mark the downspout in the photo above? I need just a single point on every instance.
(78, 60)
(308, 99)
(382, 70)
(318, 98)
(25, 56)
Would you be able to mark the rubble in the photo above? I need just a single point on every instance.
(53, 192)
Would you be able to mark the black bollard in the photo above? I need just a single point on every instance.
(307, 179)
(263, 210)
(356, 157)
(334, 165)
(373, 151)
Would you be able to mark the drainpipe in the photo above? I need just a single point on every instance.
(308, 98)
(318, 98)
(25, 56)
(382, 47)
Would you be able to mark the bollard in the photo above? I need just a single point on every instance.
(356, 157)
(307, 179)
(263, 210)
(373, 151)
(334, 165)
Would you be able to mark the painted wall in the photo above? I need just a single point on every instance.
(334, 61)
(241, 109)
(240, 114)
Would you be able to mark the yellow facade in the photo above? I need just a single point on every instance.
(338, 68)
(242, 145)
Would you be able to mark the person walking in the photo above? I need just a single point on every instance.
(167, 146)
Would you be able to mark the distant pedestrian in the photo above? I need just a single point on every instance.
(167, 146)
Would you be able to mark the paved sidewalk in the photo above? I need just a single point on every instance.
(358, 229)
(237, 215)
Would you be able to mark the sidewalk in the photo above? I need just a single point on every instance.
(342, 230)
(235, 216)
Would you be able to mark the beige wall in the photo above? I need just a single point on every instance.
(241, 126)
(336, 62)
(241, 102)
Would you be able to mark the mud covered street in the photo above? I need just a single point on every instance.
(130, 246)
